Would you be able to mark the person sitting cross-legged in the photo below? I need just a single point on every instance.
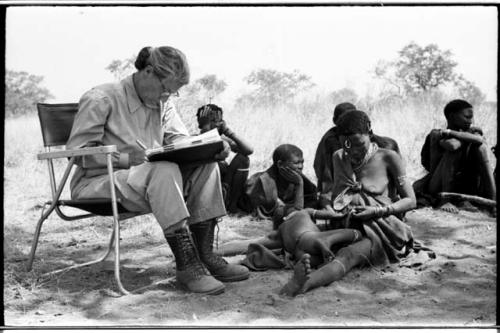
(330, 143)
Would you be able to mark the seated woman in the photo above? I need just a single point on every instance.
(281, 189)
(330, 143)
(360, 199)
(233, 174)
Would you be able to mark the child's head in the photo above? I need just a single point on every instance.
(209, 116)
(340, 109)
(459, 114)
(288, 155)
(354, 130)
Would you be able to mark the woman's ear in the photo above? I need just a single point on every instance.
(280, 163)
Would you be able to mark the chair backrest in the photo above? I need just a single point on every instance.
(56, 121)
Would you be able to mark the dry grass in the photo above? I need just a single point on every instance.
(26, 185)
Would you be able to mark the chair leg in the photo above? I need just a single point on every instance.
(116, 226)
(116, 231)
(88, 263)
(34, 245)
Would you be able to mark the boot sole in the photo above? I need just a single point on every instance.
(232, 278)
(215, 291)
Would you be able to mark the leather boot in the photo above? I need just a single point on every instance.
(203, 234)
(190, 272)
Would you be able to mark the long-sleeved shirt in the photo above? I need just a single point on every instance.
(113, 114)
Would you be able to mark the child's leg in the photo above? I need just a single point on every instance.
(339, 236)
(319, 244)
(236, 177)
(348, 257)
(271, 241)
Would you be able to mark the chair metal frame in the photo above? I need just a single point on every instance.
(55, 204)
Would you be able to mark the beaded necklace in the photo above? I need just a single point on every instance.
(369, 154)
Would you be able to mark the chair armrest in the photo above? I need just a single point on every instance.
(77, 152)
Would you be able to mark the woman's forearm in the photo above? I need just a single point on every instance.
(401, 206)
(299, 196)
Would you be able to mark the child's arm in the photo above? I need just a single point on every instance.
(296, 178)
(242, 146)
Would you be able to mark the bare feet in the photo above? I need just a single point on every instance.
(467, 206)
(493, 211)
(301, 273)
(449, 207)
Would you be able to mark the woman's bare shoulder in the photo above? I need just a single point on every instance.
(389, 155)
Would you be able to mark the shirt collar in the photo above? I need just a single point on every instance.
(133, 100)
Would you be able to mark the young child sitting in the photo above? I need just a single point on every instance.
(456, 159)
(281, 189)
(234, 174)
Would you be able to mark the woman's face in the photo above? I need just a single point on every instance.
(356, 146)
(157, 88)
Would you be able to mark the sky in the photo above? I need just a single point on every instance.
(337, 46)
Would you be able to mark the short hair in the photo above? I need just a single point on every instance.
(340, 109)
(285, 152)
(208, 112)
(166, 61)
(354, 122)
(455, 106)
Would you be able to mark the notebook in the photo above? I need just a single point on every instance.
(193, 149)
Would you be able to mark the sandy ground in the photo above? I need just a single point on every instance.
(456, 288)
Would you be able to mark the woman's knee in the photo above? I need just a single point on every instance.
(482, 151)
(164, 169)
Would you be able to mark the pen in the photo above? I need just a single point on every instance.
(142, 145)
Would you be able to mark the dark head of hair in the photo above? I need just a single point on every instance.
(285, 152)
(142, 59)
(166, 61)
(340, 109)
(455, 106)
(207, 113)
(354, 122)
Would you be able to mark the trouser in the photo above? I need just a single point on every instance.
(170, 192)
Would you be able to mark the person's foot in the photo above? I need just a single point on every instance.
(301, 274)
(492, 211)
(449, 207)
(468, 206)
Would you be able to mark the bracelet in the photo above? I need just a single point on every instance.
(380, 211)
(314, 214)
(447, 132)
(228, 132)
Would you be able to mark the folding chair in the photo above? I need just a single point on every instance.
(56, 121)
